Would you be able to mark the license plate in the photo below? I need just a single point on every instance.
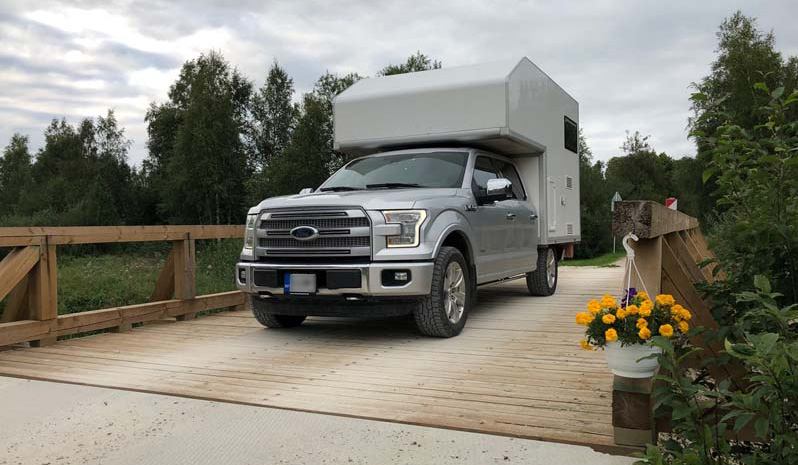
(301, 283)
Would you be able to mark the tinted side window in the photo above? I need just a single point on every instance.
(571, 135)
(508, 171)
(483, 170)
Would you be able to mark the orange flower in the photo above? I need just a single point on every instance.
(683, 326)
(632, 309)
(642, 323)
(583, 318)
(585, 345)
(666, 330)
(608, 319)
(644, 333)
(611, 335)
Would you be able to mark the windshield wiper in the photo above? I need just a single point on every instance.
(339, 189)
(390, 185)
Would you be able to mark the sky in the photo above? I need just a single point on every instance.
(628, 63)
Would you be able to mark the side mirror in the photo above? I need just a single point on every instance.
(497, 190)
(307, 190)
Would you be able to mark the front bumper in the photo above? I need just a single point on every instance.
(371, 278)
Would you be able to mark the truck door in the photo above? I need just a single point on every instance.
(524, 230)
(494, 224)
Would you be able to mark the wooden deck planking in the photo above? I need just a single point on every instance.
(516, 369)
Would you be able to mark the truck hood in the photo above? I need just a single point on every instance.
(374, 199)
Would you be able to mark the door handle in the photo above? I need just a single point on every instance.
(510, 217)
(533, 216)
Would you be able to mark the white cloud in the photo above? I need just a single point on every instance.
(628, 63)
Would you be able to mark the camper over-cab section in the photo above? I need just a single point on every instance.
(509, 108)
(457, 177)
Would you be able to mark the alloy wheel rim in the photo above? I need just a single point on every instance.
(454, 292)
(551, 268)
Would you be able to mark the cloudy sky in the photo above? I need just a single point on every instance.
(628, 63)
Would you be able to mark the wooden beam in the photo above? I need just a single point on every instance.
(43, 290)
(648, 219)
(165, 285)
(185, 271)
(23, 236)
(17, 304)
(73, 323)
(16, 266)
(681, 284)
(648, 258)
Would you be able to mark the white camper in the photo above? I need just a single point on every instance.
(510, 108)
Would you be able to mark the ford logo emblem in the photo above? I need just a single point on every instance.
(304, 233)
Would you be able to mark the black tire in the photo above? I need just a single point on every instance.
(430, 314)
(264, 313)
(538, 281)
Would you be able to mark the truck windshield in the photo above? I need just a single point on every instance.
(423, 169)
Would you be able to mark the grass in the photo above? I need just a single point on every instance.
(89, 282)
(605, 260)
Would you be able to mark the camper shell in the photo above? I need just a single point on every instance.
(509, 108)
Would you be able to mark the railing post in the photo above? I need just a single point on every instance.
(185, 272)
(43, 289)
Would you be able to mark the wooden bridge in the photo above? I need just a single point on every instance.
(516, 369)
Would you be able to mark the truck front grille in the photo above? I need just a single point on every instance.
(343, 232)
(321, 242)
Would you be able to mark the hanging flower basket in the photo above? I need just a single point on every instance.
(624, 330)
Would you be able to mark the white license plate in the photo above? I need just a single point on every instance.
(301, 283)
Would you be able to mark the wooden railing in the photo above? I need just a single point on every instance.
(29, 277)
(668, 253)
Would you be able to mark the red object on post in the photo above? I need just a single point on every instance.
(670, 202)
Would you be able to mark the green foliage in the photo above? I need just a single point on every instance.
(205, 164)
(414, 63)
(15, 175)
(768, 406)
(274, 117)
(606, 260)
(745, 56)
(594, 204)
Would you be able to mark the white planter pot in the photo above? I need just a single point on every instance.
(623, 361)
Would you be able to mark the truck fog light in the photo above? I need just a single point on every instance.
(400, 276)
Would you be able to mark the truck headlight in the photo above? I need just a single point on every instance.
(249, 231)
(410, 221)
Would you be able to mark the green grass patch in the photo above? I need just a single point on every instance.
(602, 260)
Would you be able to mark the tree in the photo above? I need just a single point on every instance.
(641, 174)
(274, 117)
(15, 175)
(594, 195)
(417, 62)
(745, 55)
(199, 143)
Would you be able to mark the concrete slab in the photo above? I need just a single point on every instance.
(52, 423)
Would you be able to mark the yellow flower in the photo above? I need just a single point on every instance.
(607, 301)
(642, 295)
(583, 318)
(683, 326)
(632, 309)
(611, 335)
(685, 314)
(642, 323)
(585, 345)
(644, 333)
(665, 299)
(666, 330)
(621, 313)
(608, 318)
(593, 307)
(646, 307)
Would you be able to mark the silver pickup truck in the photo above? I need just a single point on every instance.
(413, 231)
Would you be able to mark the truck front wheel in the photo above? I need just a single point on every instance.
(265, 314)
(443, 313)
(543, 281)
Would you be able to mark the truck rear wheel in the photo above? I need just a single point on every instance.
(264, 313)
(443, 313)
(543, 281)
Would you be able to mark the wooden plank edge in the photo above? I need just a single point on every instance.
(73, 323)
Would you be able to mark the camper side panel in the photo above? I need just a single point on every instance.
(540, 110)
